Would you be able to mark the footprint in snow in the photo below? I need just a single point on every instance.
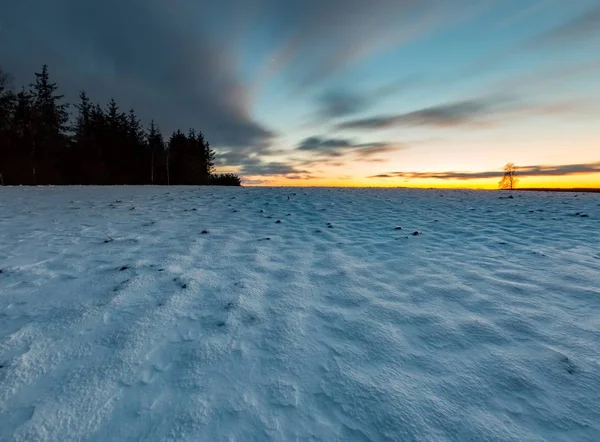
(569, 366)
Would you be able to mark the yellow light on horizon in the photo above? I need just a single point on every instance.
(560, 182)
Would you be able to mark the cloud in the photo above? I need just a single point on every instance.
(473, 113)
(338, 147)
(524, 13)
(367, 151)
(321, 37)
(152, 55)
(452, 114)
(259, 168)
(339, 102)
(324, 144)
(527, 171)
(576, 30)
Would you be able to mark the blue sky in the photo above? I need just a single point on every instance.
(332, 91)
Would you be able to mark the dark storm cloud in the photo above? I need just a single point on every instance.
(155, 56)
(453, 114)
(527, 171)
(178, 61)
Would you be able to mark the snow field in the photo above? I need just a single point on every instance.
(121, 320)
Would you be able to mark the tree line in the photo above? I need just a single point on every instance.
(41, 143)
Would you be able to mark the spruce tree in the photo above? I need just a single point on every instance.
(7, 101)
(50, 118)
(156, 145)
(83, 121)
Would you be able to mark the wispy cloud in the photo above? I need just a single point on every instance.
(259, 168)
(582, 27)
(524, 13)
(480, 113)
(452, 114)
(339, 102)
(338, 147)
(526, 171)
(321, 36)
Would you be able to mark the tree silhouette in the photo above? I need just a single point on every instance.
(50, 118)
(509, 179)
(7, 102)
(225, 179)
(156, 144)
(100, 146)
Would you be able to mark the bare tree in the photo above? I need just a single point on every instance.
(509, 180)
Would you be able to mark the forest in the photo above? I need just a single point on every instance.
(43, 143)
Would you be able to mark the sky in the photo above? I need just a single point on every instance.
(416, 93)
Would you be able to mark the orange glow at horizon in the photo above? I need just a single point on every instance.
(561, 182)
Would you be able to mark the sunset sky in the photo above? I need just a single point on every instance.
(430, 93)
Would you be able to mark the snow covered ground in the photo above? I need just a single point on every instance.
(121, 320)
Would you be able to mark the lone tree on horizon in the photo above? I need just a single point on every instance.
(509, 180)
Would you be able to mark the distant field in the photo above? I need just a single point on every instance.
(255, 314)
(582, 190)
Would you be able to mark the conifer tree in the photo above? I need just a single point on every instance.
(102, 146)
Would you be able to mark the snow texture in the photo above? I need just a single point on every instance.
(145, 313)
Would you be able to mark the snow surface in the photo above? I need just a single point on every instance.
(120, 320)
